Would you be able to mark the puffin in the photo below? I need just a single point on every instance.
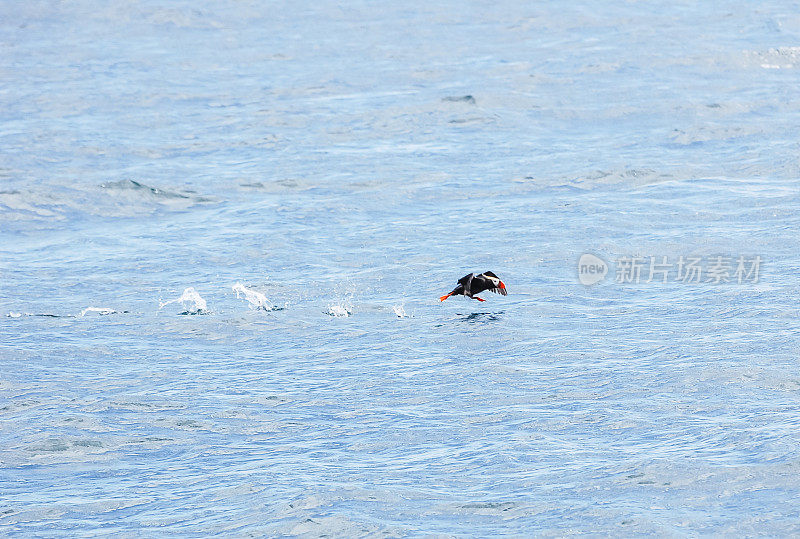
(472, 284)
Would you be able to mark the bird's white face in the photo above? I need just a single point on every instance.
(495, 281)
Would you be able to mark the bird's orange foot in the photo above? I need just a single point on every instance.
(479, 299)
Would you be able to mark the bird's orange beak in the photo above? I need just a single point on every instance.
(502, 285)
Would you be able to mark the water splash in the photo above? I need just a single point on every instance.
(257, 300)
(99, 310)
(400, 311)
(338, 311)
(344, 291)
(191, 301)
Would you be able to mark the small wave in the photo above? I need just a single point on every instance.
(15, 314)
(618, 177)
(89, 310)
(776, 58)
(191, 301)
(131, 185)
(280, 186)
(124, 198)
(256, 299)
(460, 99)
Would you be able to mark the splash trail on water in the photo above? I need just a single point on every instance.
(191, 300)
(256, 299)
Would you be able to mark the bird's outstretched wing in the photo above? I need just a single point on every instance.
(501, 291)
(466, 282)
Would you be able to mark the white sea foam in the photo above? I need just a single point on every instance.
(256, 299)
(191, 301)
(400, 311)
(98, 310)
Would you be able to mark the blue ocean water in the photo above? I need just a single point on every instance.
(224, 228)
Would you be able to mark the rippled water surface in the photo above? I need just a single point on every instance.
(224, 228)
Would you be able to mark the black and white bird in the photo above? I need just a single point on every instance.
(472, 284)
